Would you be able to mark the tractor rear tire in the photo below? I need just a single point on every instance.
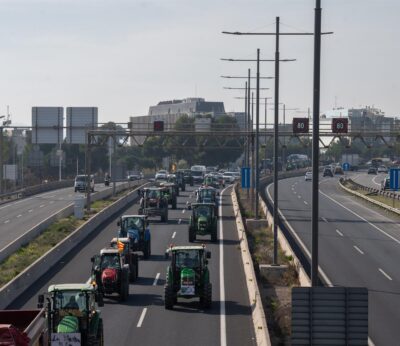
(137, 266)
(169, 297)
(98, 339)
(214, 237)
(124, 287)
(183, 187)
(147, 249)
(174, 204)
(192, 235)
(206, 299)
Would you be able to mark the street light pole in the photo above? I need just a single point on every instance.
(252, 153)
(248, 123)
(315, 144)
(276, 143)
(1, 159)
(257, 165)
(245, 122)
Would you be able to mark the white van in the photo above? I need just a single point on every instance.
(81, 182)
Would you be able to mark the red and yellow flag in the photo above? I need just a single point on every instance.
(120, 245)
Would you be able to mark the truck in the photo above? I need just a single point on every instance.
(198, 172)
(352, 159)
(23, 327)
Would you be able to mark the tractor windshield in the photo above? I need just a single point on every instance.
(204, 211)
(207, 193)
(188, 258)
(153, 194)
(110, 261)
(132, 223)
(70, 300)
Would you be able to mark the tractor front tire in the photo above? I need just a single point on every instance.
(214, 237)
(174, 204)
(147, 249)
(169, 297)
(192, 235)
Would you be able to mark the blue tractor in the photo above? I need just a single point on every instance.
(136, 228)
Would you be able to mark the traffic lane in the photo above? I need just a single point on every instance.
(346, 266)
(17, 218)
(370, 180)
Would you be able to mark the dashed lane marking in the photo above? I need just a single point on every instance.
(179, 221)
(305, 202)
(19, 215)
(41, 206)
(141, 318)
(183, 211)
(386, 275)
(358, 249)
(7, 221)
(30, 210)
(340, 233)
(156, 279)
(173, 235)
(324, 219)
(298, 196)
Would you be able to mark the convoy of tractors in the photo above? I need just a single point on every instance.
(68, 314)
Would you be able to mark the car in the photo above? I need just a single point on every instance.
(308, 176)
(161, 175)
(135, 176)
(327, 172)
(338, 170)
(82, 181)
(385, 183)
(372, 170)
(229, 177)
(237, 175)
(382, 169)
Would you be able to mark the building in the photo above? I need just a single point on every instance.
(240, 119)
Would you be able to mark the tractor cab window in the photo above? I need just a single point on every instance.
(70, 300)
(187, 259)
(110, 261)
(202, 211)
(153, 194)
(133, 223)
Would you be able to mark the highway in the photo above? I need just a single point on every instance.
(142, 318)
(365, 179)
(358, 246)
(18, 217)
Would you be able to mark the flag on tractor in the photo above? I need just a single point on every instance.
(120, 245)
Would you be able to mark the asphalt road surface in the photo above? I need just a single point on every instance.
(18, 217)
(142, 319)
(359, 246)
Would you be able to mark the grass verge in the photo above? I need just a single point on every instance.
(276, 295)
(50, 237)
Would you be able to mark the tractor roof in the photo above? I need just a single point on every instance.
(109, 250)
(134, 216)
(202, 204)
(71, 287)
(122, 240)
(188, 247)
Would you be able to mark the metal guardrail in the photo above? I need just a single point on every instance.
(380, 192)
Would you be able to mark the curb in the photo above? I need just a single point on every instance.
(33, 232)
(17, 286)
(379, 204)
(257, 310)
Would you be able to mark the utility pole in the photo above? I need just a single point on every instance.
(246, 127)
(248, 124)
(315, 144)
(1, 160)
(252, 154)
(257, 165)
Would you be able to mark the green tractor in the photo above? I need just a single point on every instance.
(203, 221)
(169, 193)
(188, 275)
(72, 314)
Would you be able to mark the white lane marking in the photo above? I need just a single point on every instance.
(30, 210)
(179, 221)
(294, 192)
(358, 249)
(173, 235)
(41, 206)
(141, 318)
(324, 219)
(340, 233)
(221, 276)
(373, 180)
(305, 202)
(51, 202)
(183, 211)
(298, 196)
(362, 218)
(9, 205)
(386, 275)
(19, 215)
(156, 279)
(7, 221)
(308, 253)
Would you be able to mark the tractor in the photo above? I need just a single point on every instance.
(153, 202)
(111, 273)
(72, 314)
(136, 229)
(172, 179)
(169, 192)
(208, 194)
(130, 257)
(203, 221)
(180, 179)
(188, 275)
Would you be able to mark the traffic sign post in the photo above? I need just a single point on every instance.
(246, 174)
(394, 180)
(346, 166)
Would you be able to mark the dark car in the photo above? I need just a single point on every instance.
(327, 172)
(372, 170)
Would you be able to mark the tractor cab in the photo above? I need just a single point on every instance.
(188, 275)
(153, 202)
(203, 221)
(169, 192)
(206, 195)
(72, 309)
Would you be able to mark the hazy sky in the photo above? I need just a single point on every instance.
(125, 55)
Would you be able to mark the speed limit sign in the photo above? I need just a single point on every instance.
(340, 125)
(300, 125)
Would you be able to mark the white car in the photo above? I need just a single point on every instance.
(382, 169)
(229, 177)
(308, 176)
(161, 175)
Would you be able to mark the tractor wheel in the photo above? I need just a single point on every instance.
(124, 287)
(147, 249)
(133, 270)
(206, 298)
(174, 204)
(192, 235)
(137, 266)
(166, 216)
(169, 297)
(183, 187)
(214, 237)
